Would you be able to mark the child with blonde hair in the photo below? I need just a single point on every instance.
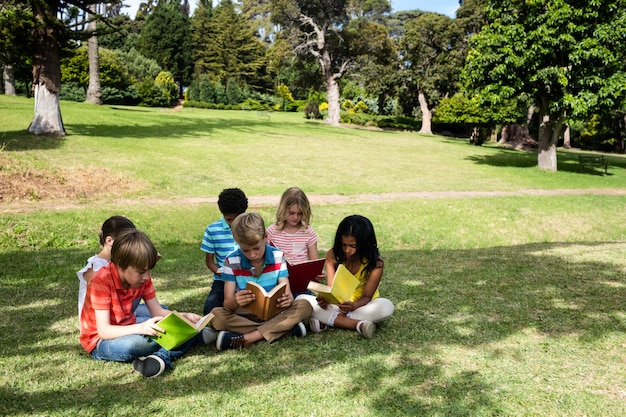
(258, 262)
(292, 232)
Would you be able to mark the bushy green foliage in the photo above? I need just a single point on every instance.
(113, 72)
(233, 92)
(312, 111)
(151, 95)
(127, 96)
(596, 134)
(72, 91)
(138, 66)
(165, 81)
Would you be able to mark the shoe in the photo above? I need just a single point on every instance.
(208, 336)
(229, 340)
(316, 326)
(149, 366)
(298, 330)
(366, 328)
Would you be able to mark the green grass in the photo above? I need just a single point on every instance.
(505, 305)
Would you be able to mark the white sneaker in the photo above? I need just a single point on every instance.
(366, 328)
(316, 326)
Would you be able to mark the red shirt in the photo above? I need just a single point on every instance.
(105, 292)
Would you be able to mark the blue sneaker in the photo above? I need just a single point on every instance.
(298, 330)
(229, 340)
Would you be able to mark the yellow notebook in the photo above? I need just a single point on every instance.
(178, 329)
(342, 289)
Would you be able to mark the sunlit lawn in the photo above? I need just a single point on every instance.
(505, 305)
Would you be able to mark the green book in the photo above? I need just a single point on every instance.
(178, 329)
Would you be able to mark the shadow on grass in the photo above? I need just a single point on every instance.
(466, 298)
(168, 127)
(566, 161)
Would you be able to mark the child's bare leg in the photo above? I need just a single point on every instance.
(343, 322)
(252, 337)
(364, 327)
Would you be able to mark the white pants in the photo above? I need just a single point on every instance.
(377, 310)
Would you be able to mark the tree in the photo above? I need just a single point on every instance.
(52, 30)
(94, 92)
(228, 48)
(433, 54)
(166, 38)
(16, 26)
(321, 28)
(564, 57)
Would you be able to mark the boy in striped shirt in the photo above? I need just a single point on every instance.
(259, 262)
(218, 242)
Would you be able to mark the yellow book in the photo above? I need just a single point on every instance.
(265, 305)
(178, 329)
(342, 289)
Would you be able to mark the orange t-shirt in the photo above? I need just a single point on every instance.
(105, 292)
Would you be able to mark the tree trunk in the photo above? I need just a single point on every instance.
(332, 88)
(567, 142)
(47, 72)
(332, 95)
(47, 119)
(427, 115)
(546, 157)
(9, 80)
(94, 93)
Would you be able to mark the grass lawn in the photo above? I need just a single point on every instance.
(509, 302)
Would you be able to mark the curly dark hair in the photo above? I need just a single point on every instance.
(232, 201)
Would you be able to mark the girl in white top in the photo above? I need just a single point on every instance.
(292, 232)
(110, 230)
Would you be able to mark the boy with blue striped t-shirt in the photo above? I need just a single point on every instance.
(218, 242)
(255, 261)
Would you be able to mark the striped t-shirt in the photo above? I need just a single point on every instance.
(105, 292)
(294, 245)
(238, 269)
(218, 240)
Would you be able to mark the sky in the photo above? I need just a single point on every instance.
(447, 7)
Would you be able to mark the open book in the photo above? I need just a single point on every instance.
(265, 305)
(341, 291)
(178, 329)
(301, 273)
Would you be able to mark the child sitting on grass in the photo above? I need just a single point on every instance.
(218, 242)
(292, 232)
(259, 262)
(109, 330)
(355, 247)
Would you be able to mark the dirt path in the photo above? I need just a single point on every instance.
(315, 199)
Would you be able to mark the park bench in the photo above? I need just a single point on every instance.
(263, 115)
(593, 161)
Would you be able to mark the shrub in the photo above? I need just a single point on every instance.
(165, 81)
(312, 111)
(151, 95)
(128, 96)
(72, 91)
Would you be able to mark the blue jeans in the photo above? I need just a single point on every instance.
(215, 297)
(128, 348)
(142, 313)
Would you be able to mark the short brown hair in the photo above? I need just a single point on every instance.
(248, 229)
(133, 248)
